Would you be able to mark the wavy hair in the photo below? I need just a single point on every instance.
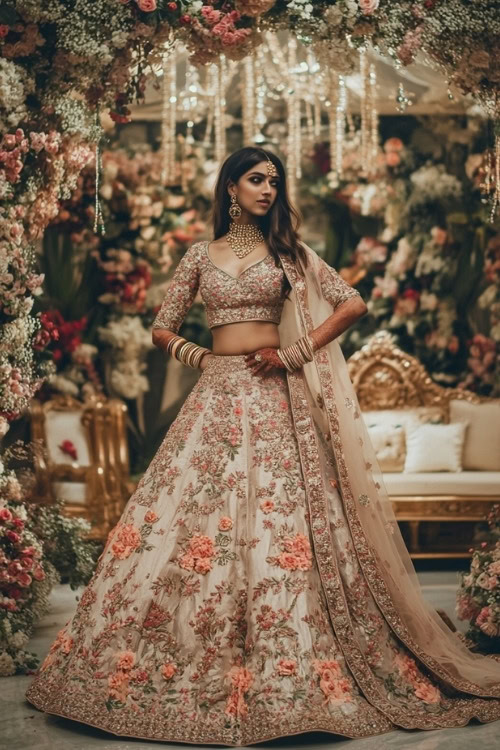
(281, 223)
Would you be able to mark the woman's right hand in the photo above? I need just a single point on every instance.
(204, 360)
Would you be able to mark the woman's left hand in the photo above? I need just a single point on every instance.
(269, 360)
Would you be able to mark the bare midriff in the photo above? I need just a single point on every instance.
(244, 337)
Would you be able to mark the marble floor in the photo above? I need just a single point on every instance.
(24, 727)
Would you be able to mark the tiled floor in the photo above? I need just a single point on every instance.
(23, 727)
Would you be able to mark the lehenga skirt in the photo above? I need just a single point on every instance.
(206, 620)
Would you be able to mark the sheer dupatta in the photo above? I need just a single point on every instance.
(324, 402)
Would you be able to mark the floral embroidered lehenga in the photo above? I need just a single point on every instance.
(257, 585)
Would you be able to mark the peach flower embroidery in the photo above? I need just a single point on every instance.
(126, 660)
(297, 554)
(201, 546)
(199, 554)
(118, 685)
(168, 670)
(241, 679)
(287, 666)
(203, 565)
(150, 516)
(267, 506)
(225, 523)
(427, 692)
(127, 540)
(337, 689)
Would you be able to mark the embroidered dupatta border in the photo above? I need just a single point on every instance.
(323, 542)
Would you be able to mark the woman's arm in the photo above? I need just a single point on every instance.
(340, 320)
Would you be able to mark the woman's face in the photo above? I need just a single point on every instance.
(255, 191)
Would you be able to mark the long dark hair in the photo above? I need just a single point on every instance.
(281, 223)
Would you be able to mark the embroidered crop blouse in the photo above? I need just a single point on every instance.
(256, 294)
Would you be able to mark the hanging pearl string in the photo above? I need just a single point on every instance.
(98, 218)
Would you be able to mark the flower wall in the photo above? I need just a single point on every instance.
(416, 239)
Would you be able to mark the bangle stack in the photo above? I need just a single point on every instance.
(296, 355)
(187, 352)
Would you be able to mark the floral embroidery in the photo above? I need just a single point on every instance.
(256, 295)
(364, 500)
(126, 540)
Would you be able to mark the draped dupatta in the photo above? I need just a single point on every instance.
(332, 437)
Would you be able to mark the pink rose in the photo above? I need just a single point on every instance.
(24, 579)
(168, 670)
(225, 523)
(368, 6)
(5, 514)
(287, 666)
(38, 573)
(147, 5)
(150, 517)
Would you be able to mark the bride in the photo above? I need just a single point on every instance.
(257, 585)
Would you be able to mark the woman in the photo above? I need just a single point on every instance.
(257, 585)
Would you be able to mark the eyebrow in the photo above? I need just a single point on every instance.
(261, 174)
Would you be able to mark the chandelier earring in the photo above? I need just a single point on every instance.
(234, 208)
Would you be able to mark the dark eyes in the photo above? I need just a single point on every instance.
(274, 184)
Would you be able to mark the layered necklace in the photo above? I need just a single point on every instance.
(243, 238)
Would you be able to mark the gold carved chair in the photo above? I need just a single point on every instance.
(81, 456)
(434, 524)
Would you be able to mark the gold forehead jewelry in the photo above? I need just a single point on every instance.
(271, 168)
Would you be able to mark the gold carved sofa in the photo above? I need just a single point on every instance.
(439, 511)
(81, 456)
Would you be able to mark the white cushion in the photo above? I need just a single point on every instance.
(480, 483)
(434, 447)
(482, 441)
(389, 444)
(386, 430)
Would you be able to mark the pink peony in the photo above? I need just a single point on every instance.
(225, 523)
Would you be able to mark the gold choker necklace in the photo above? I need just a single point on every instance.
(243, 238)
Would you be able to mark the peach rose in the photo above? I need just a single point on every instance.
(147, 6)
(407, 667)
(150, 516)
(427, 692)
(203, 565)
(168, 670)
(126, 660)
(267, 506)
(287, 666)
(201, 546)
(225, 523)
